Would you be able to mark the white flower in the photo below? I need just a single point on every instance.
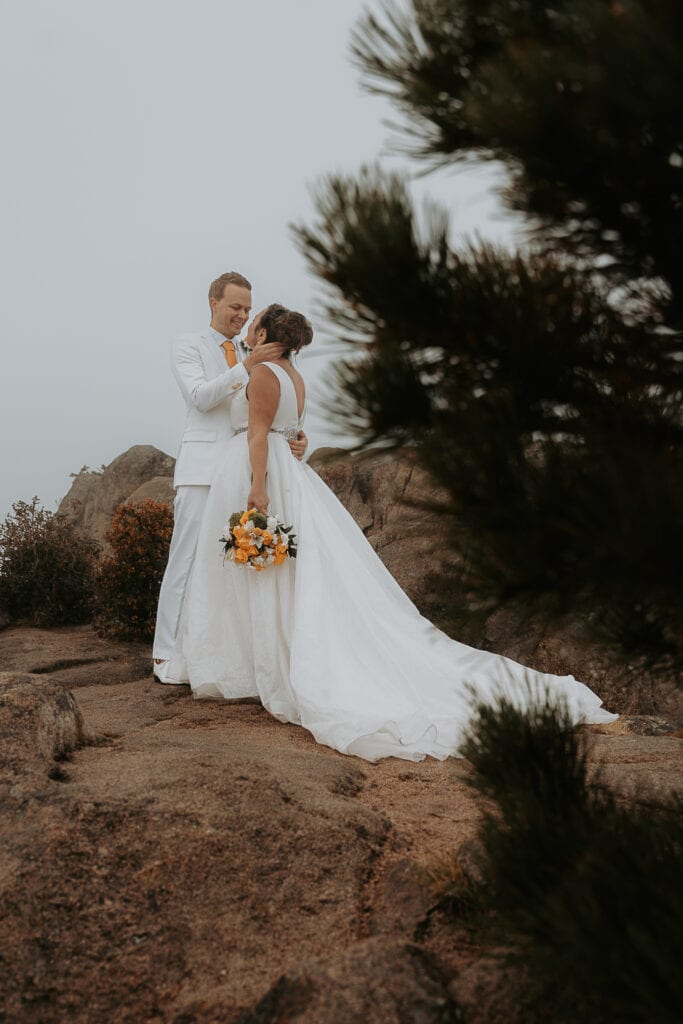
(272, 524)
(249, 526)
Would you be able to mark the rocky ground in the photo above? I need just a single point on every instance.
(169, 860)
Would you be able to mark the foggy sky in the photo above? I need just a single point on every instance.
(148, 146)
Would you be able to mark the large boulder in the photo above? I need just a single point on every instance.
(40, 723)
(393, 501)
(94, 496)
(159, 488)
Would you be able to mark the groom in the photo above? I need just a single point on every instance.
(210, 368)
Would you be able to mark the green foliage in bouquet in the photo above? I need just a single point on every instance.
(236, 518)
(128, 580)
(583, 887)
(46, 567)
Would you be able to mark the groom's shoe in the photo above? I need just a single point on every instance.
(159, 669)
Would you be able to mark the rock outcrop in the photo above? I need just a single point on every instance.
(40, 723)
(94, 496)
(159, 488)
(172, 860)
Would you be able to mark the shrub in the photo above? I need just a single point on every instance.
(586, 886)
(46, 567)
(128, 580)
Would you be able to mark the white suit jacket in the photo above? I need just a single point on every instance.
(207, 384)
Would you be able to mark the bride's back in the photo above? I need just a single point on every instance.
(298, 382)
(290, 409)
(294, 332)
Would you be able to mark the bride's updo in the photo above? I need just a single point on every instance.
(292, 330)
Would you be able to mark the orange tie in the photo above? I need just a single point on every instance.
(230, 357)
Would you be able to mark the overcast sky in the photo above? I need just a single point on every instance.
(148, 146)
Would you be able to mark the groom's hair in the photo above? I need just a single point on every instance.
(218, 286)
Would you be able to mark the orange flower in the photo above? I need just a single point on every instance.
(267, 537)
(279, 556)
(252, 550)
(241, 556)
(280, 549)
(244, 543)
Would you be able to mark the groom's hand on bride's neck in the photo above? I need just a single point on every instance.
(269, 351)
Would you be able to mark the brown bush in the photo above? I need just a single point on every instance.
(128, 581)
(47, 567)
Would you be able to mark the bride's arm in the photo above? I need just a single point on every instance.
(264, 396)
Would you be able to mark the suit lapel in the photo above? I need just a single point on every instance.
(215, 355)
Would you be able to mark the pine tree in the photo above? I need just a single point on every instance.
(581, 99)
(541, 389)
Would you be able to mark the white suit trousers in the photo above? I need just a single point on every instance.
(188, 509)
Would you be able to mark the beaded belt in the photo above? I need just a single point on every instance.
(289, 433)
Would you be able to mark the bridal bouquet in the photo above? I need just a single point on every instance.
(257, 541)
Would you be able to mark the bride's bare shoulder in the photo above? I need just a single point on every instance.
(290, 370)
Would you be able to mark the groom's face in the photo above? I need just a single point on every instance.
(230, 313)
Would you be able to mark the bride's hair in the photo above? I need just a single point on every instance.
(269, 316)
(292, 330)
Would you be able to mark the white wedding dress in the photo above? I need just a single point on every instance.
(329, 640)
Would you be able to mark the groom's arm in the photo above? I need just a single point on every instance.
(202, 392)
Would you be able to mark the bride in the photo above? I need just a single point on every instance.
(328, 640)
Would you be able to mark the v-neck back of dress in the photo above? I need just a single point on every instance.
(287, 415)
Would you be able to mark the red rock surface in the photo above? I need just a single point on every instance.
(196, 862)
